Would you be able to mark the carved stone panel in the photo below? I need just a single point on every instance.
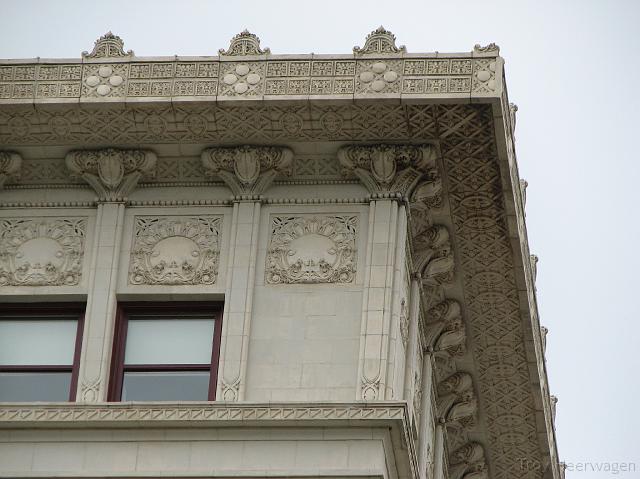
(312, 249)
(175, 250)
(41, 251)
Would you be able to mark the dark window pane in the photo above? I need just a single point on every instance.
(166, 386)
(34, 386)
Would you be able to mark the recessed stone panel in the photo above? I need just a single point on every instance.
(312, 249)
(175, 250)
(41, 251)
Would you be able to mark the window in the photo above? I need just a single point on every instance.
(166, 352)
(40, 351)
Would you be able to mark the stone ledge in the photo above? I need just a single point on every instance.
(206, 413)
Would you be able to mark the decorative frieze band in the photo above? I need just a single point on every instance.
(14, 415)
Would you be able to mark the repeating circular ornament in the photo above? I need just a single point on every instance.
(105, 71)
(240, 87)
(103, 90)
(253, 78)
(92, 80)
(242, 69)
(230, 79)
(483, 75)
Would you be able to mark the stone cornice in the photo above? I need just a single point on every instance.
(110, 75)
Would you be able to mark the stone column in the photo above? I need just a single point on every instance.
(439, 459)
(113, 174)
(390, 173)
(248, 171)
(412, 345)
(426, 426)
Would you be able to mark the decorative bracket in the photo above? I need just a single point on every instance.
(468, 462)
(457, 403)
(389, 168)
(10, 164)
(248, 170)
(112, 173)
(444, 330)
(434, 256)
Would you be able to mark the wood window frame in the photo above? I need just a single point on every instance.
(49, 311)
(127, 309)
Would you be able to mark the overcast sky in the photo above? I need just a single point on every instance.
(573, 69)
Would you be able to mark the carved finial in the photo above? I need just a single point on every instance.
(543, 333)
(534, 266)
(513, 109)
(112, 173)
(10, 163)
(380, 41)
(523, 191)
(554, 403)
(389, 168)
(244, 43)
(108, 46)
(247, 170)
(491, 48)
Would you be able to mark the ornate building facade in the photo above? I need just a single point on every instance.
(267, 265)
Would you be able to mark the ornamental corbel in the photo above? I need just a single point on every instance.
(468, 462)
(444, 329)
(10, 164)
(433, 256)
(457, 403)
(389, 169)
(111, 172)
(248, 170)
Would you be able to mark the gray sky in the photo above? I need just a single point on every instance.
(572, 68)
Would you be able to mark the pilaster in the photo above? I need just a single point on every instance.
(391, 173)
(248, 171)
(113, 174)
